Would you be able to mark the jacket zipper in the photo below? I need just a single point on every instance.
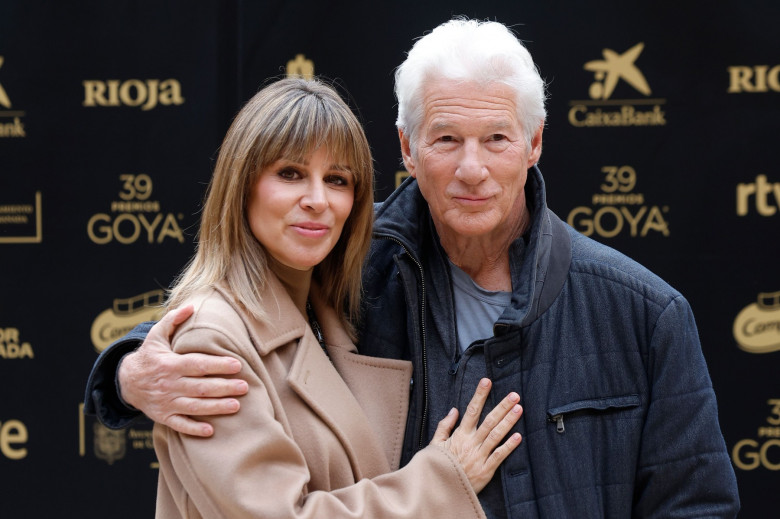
(423, 423)
(558, 421)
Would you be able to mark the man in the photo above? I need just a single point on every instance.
(470, 275)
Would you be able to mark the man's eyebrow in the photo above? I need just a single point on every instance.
(498, 124)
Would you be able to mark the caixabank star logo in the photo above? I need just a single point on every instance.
(609, 73)
(11, 119)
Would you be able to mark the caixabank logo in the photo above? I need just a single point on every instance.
(757, 327)
(602, 110)
(11, 118)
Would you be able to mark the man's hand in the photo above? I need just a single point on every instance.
(170, 388)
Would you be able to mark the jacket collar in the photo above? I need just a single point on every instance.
(404, 217)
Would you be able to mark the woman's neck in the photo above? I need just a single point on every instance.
(296, 282)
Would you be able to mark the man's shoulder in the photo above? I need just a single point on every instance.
(594, 259)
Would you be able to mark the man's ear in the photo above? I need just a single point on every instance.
(536, 146)
(406, 153)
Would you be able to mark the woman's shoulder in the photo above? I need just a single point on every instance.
(214, 313)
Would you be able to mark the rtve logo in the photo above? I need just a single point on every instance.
(607, 74)
(759, 78)
(133, 92)
(765, 195)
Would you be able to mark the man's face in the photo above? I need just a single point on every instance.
(471, 159)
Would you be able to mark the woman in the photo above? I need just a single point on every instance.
(284, 230)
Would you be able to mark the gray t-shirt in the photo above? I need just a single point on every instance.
(476, 309)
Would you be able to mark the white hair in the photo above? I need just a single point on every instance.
(469, 50)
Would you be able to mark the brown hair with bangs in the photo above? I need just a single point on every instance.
(288, 119)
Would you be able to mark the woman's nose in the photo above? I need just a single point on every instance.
(315, 198)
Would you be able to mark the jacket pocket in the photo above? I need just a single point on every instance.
(556, 415)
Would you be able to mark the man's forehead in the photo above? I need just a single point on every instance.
(469, 98)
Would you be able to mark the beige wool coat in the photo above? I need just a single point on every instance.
(314, 437)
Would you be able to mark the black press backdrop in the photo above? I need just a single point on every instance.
(111, 114)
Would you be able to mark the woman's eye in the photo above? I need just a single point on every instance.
(288, 173)
(446, 138)
(497, 137)
(338, 180)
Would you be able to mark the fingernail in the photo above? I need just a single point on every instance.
(452, 411)
(516, 409)
(484, 382)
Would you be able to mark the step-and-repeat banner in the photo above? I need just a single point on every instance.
(662, 141)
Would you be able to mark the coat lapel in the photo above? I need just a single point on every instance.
(363, 400)
(316, 381)
(380, 386)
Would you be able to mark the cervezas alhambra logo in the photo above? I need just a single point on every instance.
(601, 109)
(757, 327)
(122, 317)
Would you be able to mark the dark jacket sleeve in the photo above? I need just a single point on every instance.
(101, 397)
(684, 468)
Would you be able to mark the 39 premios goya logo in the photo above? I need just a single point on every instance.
(757, 327)
(618, 209)
(611, 73)
(11, 117)
(135, 216)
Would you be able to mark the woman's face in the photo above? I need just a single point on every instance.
(297, 210)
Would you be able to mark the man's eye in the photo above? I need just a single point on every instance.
(497, 137)
(446, 138)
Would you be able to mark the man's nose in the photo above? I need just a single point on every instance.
(471, 166)
(315, 198)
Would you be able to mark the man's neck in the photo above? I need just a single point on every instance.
(485, 258)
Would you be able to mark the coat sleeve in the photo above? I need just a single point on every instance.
(252, 467)
(684, 468)
(102, 396)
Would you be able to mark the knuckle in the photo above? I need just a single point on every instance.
(495, 435)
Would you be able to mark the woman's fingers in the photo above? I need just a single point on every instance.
(480, 449)
(474, 409)
(497, 433)
(498, 456)
(444, 429)
(491, 426)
